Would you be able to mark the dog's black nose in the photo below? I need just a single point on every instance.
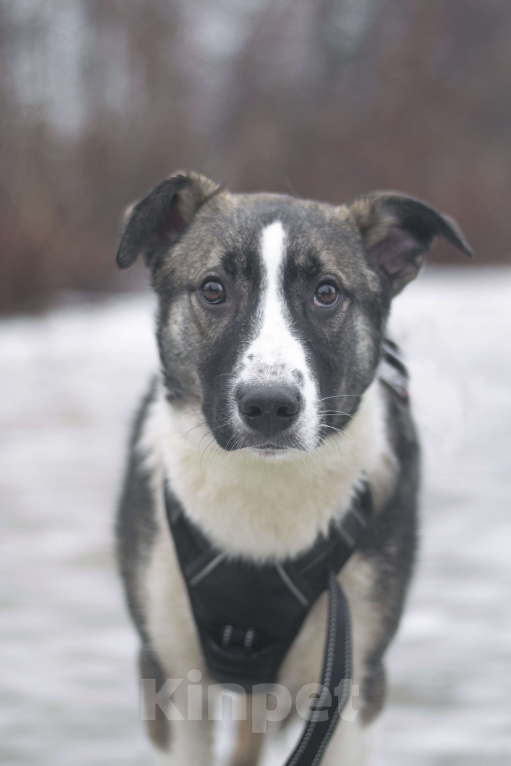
(269, 409)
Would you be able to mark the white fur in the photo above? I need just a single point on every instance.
(275, 352)
(258, 509)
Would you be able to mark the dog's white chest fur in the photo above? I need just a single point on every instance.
(259, 509)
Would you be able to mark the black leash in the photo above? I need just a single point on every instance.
(335, 681)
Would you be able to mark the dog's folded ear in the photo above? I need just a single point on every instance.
(162, 215)
(398, 230)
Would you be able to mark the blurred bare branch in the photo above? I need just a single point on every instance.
(326, 99)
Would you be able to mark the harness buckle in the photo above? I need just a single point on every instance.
(238, 640)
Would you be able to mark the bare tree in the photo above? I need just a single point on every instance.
(323, 98)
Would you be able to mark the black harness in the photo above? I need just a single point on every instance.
(247, 615)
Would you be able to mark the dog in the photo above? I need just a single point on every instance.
(266, 415)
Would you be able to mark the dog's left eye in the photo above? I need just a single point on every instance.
(213, 291)
(326, 294)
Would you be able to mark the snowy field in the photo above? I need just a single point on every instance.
(69, 381)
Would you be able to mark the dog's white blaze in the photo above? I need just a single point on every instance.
(276, 353)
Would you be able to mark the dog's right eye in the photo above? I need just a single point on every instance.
(213, 291)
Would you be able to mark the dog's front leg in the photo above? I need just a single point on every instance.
(249, 739)
(179, 731)
(353, 743)
(190, 743)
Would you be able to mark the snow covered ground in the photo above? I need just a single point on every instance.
(69, 381)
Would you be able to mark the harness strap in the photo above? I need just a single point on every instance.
(392, 370)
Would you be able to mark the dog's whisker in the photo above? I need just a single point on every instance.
(338, 430)
(224, 375)
(336, 412)
(205, 447)
(339, 396)
(189, 412)
(198, 425)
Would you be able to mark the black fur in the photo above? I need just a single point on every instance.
(136, 522)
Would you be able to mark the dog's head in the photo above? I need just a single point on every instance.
(272, 309)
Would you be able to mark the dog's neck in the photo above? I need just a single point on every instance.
(255, 508)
